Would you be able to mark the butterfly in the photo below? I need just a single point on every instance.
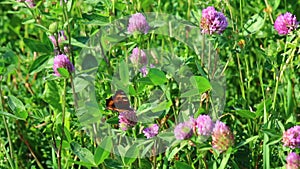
(118, 102)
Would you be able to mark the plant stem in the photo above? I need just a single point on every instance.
(63, 104)
(266, 150)
(241, 13)
(5, 123)
(66, 17)
(189, 9)
(270, 15)
(29, 148)
(278, 76)
(32, 13)
(154, 154)
(241, 76)
(75, 97)
(7, 155)
(202, 53)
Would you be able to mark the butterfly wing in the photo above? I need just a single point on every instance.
(119, 102)
(110, 104)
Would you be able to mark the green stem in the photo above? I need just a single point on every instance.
(189, 9)
(63, 105)
(5, 124)
(154, 154)
(241, 76)
(270, 15)
(32, 13)
(247, 76)
(75, 97)
(278, 76)
(266, 150)
(7, 155)
(202, 53)
(66, 16)
(241, 13)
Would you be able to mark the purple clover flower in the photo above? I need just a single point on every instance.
(62, 61)
(293, 161)
(127, 119)
(222, 138)
(151, 131)
(138, 23)
(204, 125)
(144, 71)
(291, 137)
(213, 21)
(183, 130)
(285, 23)
(138, 56)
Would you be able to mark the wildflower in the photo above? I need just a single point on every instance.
(61, 36)
(204, 125)
(127, 119)
(213, 21)
(53, 40)
(291, 137)
(138, 56)
(62, 61)
(222, 138)
(144, 71)
(193, 123)
(293, 161)
(183, 130)
(30, 3)
(151, 131)
(285, 23)
(138, 23)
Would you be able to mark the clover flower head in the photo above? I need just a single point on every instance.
(204, 125)
(222, 138)
(285, 23)
(127, 119)
(183, 130)
(291, 137)
(138, 23)
(293, 161)
(213, 21)
(144, 71)
(138, 56)
(151, 131)
(62, 61)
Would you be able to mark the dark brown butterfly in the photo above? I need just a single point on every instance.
(119, 102)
